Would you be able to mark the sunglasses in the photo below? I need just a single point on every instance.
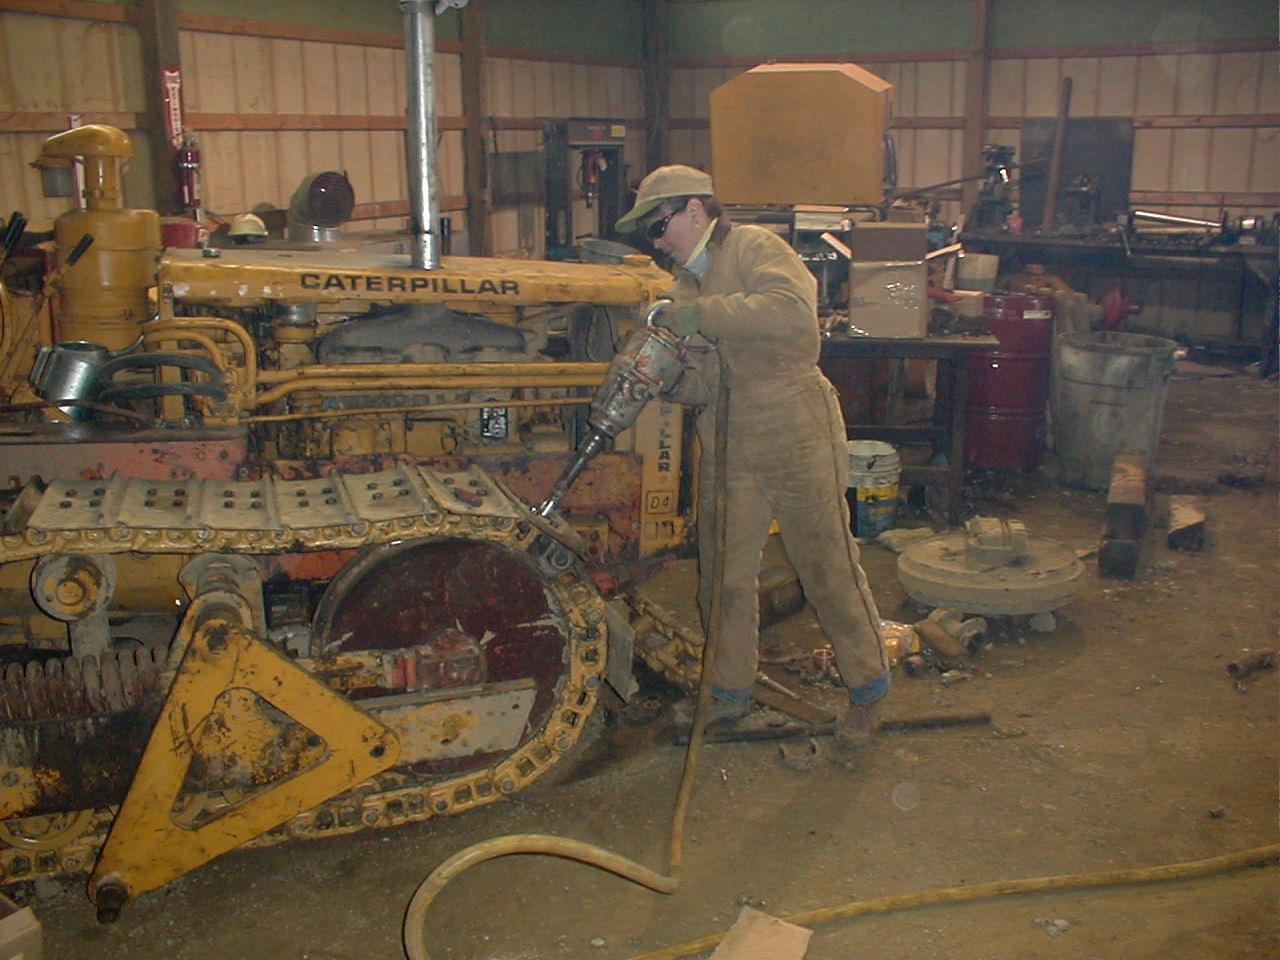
(658, 228)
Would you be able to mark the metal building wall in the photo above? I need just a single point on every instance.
(271, 103)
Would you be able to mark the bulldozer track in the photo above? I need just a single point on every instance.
(272, 516)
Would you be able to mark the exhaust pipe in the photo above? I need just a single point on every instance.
(420, 137)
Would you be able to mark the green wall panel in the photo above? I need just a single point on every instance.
(606, 28)
(764, 28)
(1030, 23)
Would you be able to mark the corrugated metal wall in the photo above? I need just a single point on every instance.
(1205, 123)
(269, 109)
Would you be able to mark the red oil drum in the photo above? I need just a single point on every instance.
(1009, 385)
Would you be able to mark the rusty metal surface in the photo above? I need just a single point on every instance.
(85, 452)
(604, 505)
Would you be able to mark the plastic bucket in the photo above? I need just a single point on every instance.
(874, 470)
(977, 271)
(1107, 398)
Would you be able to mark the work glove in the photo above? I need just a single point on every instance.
(681, 319)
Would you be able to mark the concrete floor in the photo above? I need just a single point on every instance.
(1118, 740)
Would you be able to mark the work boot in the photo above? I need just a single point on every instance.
(726, 706)
(866, 706)
(857, 724)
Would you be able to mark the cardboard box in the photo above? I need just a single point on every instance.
(884, 240)
(970, 303)
(20, 934)
(889, 298)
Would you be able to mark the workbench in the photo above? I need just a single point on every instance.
(945, 432)
(1216, 293)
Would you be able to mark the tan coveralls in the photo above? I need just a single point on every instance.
(787, 456)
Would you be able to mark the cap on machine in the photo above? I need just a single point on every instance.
(676, 180)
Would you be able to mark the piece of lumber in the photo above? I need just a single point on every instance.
(1126, 517)
(800, 709)
(1186, 522)
(758, 936)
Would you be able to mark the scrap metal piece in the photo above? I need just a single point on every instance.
(993, 566)
(805, 757)
(1248, 665)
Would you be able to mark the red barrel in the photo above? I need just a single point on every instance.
(1009, 385)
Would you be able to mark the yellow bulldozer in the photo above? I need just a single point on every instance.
(268, 564)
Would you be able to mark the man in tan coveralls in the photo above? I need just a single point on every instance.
(747, 293)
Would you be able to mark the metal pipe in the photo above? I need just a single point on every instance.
(593, 370)
(340, 384)
(391, 411)
(420, 135)
(1172, 220)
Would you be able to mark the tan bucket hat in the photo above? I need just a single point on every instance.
(675, 180)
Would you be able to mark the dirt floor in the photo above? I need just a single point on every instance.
(1117, 740)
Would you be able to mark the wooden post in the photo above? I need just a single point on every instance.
(158, 32)
(474, 109)
(1126, 517)
(1055, 159)
(976, 97)
(657, 73)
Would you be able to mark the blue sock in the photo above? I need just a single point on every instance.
(739, 696)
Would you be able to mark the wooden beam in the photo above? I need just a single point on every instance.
(158, 32)
(73, 9)
(863, 57)
(56, 122)
(977, 86)
(308, 121)
(1221, 120)
(657, 80)
(860, 57)
(474, 110)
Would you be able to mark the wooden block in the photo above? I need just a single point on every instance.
(1186, 522)
(800, 709)
(1126, 515)
(1118, 559)
(758, 936)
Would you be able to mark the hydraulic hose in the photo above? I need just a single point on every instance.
(413, 932)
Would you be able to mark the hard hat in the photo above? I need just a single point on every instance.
(676, 180)
(247, 228)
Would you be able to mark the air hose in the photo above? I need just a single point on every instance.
(1256, 857)
(412, 932)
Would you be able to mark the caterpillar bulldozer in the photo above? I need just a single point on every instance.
(268, 564)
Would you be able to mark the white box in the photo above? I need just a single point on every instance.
(889, 298)
(20, 935)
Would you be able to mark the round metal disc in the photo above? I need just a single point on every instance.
(945, 571)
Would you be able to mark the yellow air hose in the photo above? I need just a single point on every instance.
(413, 932)
(1256, 857)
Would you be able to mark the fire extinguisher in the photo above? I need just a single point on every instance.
(593, 162)
(188, 173)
